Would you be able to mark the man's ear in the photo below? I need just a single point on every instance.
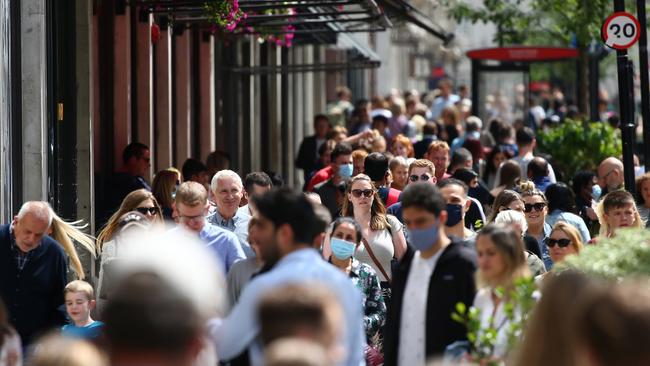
(92, 304)
(468, 204)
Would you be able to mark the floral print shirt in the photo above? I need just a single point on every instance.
(365, 279)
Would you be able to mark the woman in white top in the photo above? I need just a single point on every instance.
(383, 233)
(501, 261)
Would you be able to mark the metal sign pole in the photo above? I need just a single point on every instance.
(626, 107)
(645, 83)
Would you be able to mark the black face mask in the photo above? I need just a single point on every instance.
(454, 214)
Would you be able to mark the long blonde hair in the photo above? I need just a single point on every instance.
(130, 203)
(511, 248)
(66, 233)
(378, 219)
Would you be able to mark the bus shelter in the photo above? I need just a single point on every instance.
(501, 77)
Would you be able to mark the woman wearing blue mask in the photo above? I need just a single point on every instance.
(382, 235)
(344, 239)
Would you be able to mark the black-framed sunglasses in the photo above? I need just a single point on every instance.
(423, 177)
(537, 206)
(147, 210)
(363, 192)
(562, 243)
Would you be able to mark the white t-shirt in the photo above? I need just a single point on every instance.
(412, 328)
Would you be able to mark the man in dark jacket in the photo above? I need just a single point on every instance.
(419, 324)
(308, 152)
(32, 272)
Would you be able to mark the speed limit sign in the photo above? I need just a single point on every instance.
(620, 31)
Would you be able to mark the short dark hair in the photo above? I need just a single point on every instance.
(581, 179)
(323, 219)
(375, 166)
(617, 199)
(430, 128)
(561, 197)
(286, 206)
(525, 136)
(342, 148)
(192, 167)
(347, 220)
(424, 196)
(276, 178)
(453, 182)
(134, 149)
(319, 117)
(256, 178)
(146, 313)
(460, 157)
(538, 167)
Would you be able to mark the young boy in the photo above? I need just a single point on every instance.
(79, 301)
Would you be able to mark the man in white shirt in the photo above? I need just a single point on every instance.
(445, 99)
(433, 276)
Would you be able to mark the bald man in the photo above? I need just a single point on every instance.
(32, 272)
(610, 175)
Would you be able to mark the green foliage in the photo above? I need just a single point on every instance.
(547, 22)
(625, 255)
(576, 145)
(517, 303)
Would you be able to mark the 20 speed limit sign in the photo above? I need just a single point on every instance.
(620, 31)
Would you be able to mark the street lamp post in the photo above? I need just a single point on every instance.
(645, 84)
(626, 106)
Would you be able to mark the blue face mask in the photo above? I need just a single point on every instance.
(342, 249)
(345, 171)
(454, 214)
(596, 191)
(423, 239)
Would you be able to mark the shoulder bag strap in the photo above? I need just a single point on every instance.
(374, 259)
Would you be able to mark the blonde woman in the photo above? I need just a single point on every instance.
(501, 261)
(564, 240)
(68, 233)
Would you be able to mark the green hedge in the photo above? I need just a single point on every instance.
(579, 145)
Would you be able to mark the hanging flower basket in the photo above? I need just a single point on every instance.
(282, 38)
(224, 14)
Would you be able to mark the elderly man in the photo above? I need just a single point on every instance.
(228, 191)
(32, 272)
(610, 175)
(192, 206)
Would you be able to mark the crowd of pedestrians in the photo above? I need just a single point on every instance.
(420, 208)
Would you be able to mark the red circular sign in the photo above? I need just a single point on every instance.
(620, 31)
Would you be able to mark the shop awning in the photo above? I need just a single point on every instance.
(402, 11)
(306, 16)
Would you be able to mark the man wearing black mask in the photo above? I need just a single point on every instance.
(454, 192)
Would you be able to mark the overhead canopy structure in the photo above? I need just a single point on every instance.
(401, 11)
(305, 17)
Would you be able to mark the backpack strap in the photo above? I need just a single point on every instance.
(375, 260)
(393, 197)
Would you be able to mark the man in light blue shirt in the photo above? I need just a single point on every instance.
(192, 206)
(444, 100)
(227, 188)
(286, 229)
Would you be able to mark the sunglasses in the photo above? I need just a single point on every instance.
(415, 178)
(363, 192)
(144, 210)
(562, 243)
(537, 206)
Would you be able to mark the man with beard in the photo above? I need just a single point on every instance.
(285, 232)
